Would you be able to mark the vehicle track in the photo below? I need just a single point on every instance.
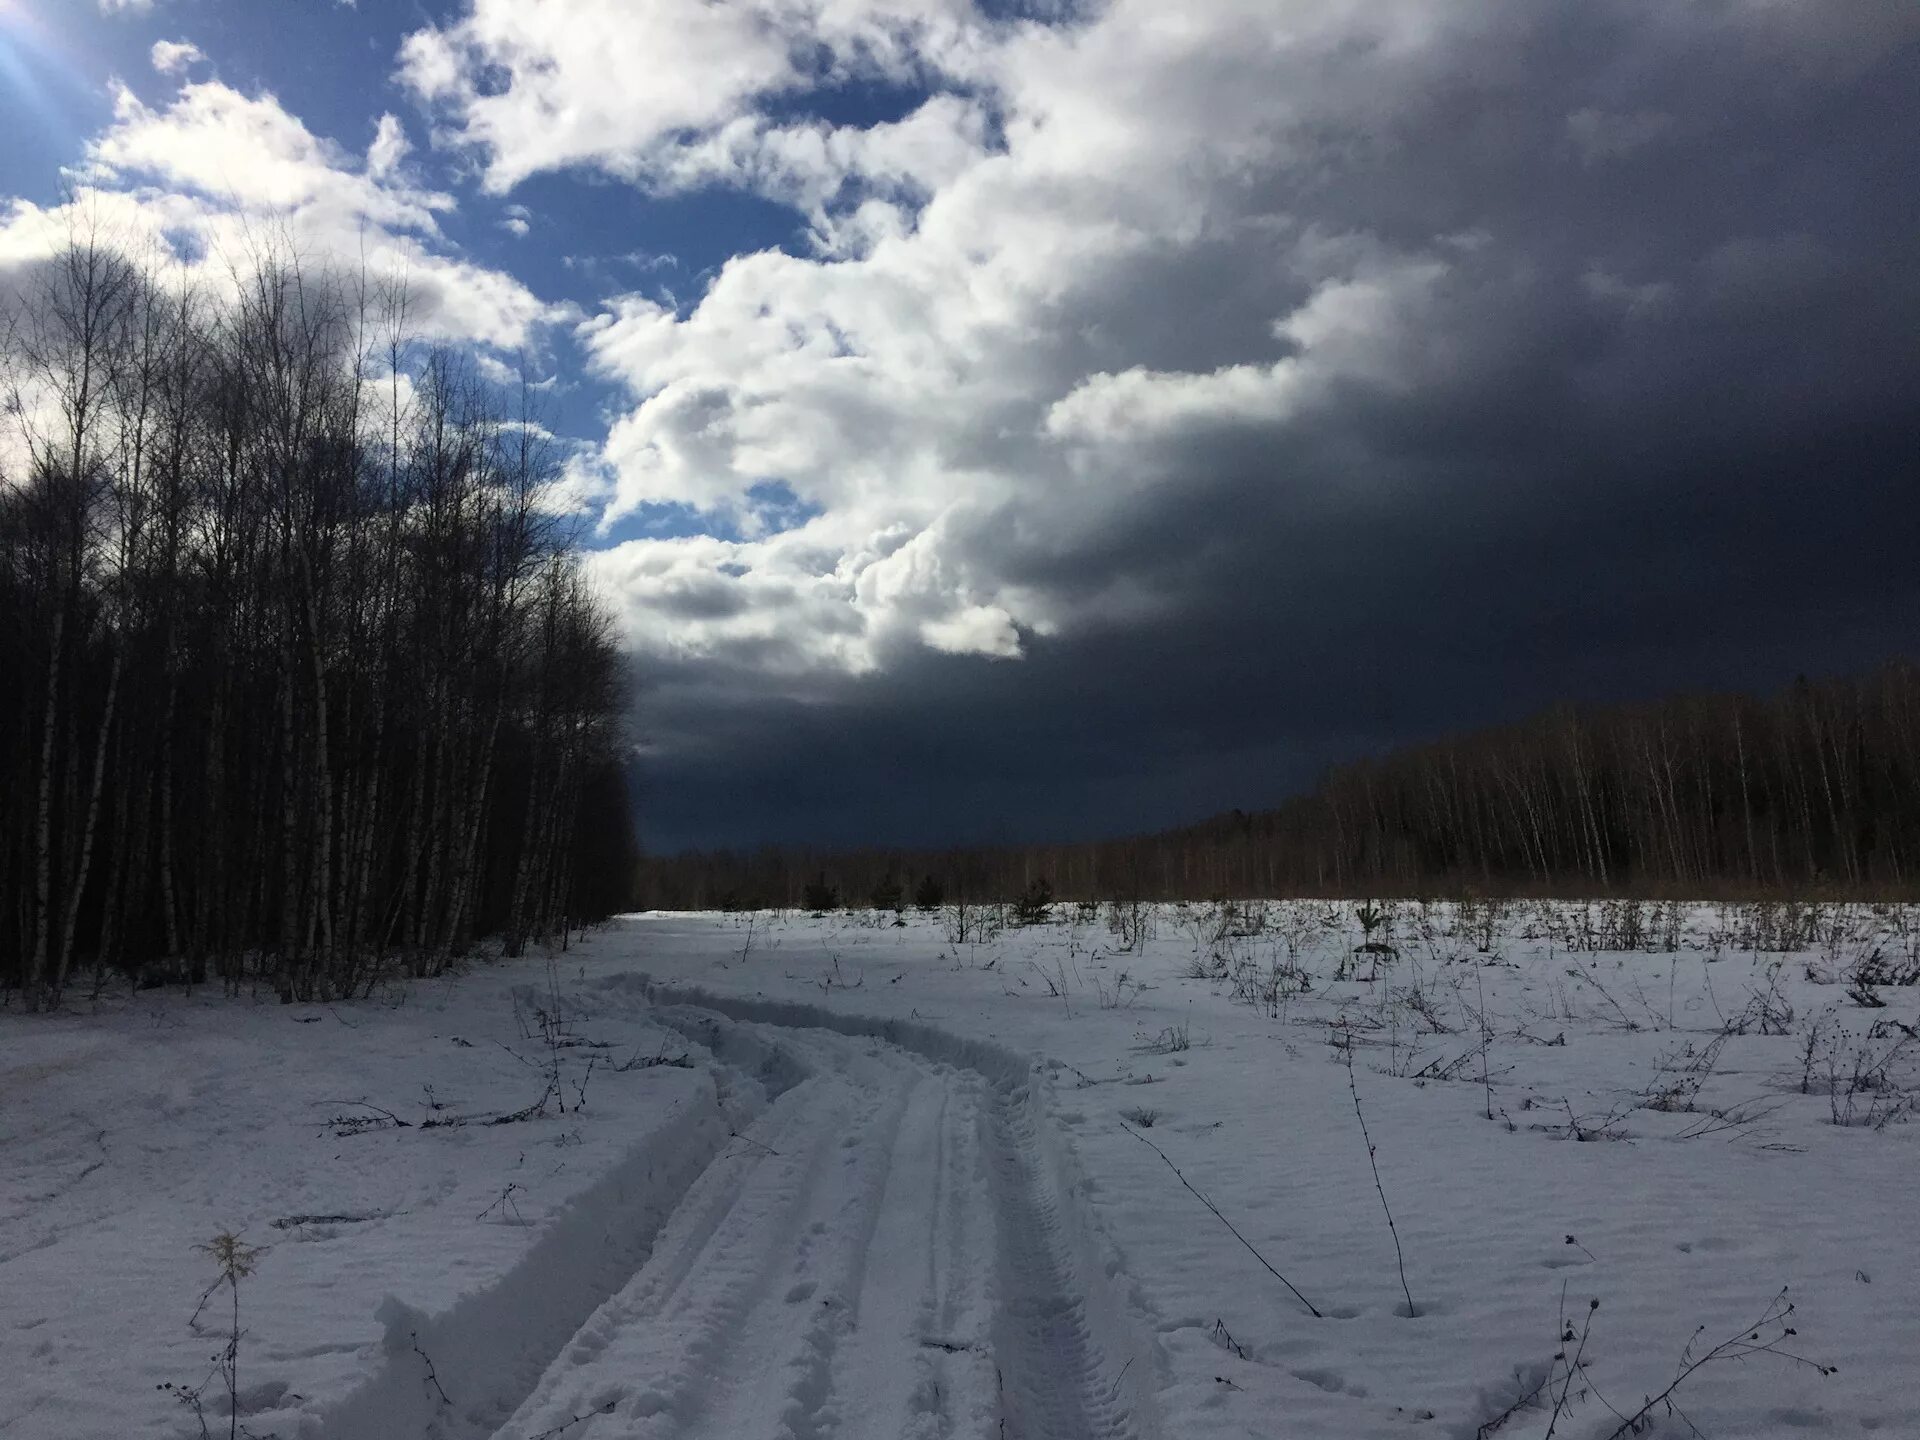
(879, 1254)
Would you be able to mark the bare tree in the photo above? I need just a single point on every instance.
(308, 553)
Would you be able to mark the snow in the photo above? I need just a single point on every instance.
(834, 1177)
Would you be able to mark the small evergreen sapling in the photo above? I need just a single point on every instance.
(1035, 904)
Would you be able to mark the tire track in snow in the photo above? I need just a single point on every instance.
(882, 1256)
(908, 1331)
(779, 1376)
(729, 1327)
(1057, 1315)
(493, 1345)
(1057, 1383)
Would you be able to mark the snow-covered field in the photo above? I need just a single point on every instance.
(755, 1176)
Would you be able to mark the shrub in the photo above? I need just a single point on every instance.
(1131, 921)
(888, 895)
(1035, 903)
(929, 894)
(818, 895)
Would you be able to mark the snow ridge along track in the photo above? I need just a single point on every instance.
(889, 1248)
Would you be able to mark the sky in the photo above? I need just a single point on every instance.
(1043, 419)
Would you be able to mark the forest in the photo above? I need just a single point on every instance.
(1815, 790)
(303, 684)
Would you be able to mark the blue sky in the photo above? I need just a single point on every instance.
(333, 66)
(1042, 418)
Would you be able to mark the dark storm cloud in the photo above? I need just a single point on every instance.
(1655, 430)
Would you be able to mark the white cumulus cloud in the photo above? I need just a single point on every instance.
(206, 175)
(1092, 247)
(976, 342)
(170, 57)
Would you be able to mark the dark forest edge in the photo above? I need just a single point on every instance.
(1814, 792)
(303, 683)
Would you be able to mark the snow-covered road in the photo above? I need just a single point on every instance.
(877, 1254)
(877, 1245)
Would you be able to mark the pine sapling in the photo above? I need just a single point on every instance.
(236, 1261)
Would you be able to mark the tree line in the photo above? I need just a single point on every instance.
(302, 679)
(1815, 789)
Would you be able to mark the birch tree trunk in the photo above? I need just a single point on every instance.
(43, 825)
(77, 886)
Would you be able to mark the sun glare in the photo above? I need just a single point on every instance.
(33, 62)
(24, 27)
(20, 31)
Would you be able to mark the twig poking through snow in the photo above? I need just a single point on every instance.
(1228, 1223)
(1392, 1229)
(504, 1204)
(1764, 1337)
(381, 1119)
(1573, 1365)
(561, 1429)
(1521, 1401)
(433, 1376)
(736, 1135)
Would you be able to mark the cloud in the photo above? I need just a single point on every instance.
(126, 7)
(1002, 346)
(1063, 316)
(1599, 136)
(170, 57)
(217, 141)
(1353, 369)
(612, 84)
(206, 175)
(389, 148)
